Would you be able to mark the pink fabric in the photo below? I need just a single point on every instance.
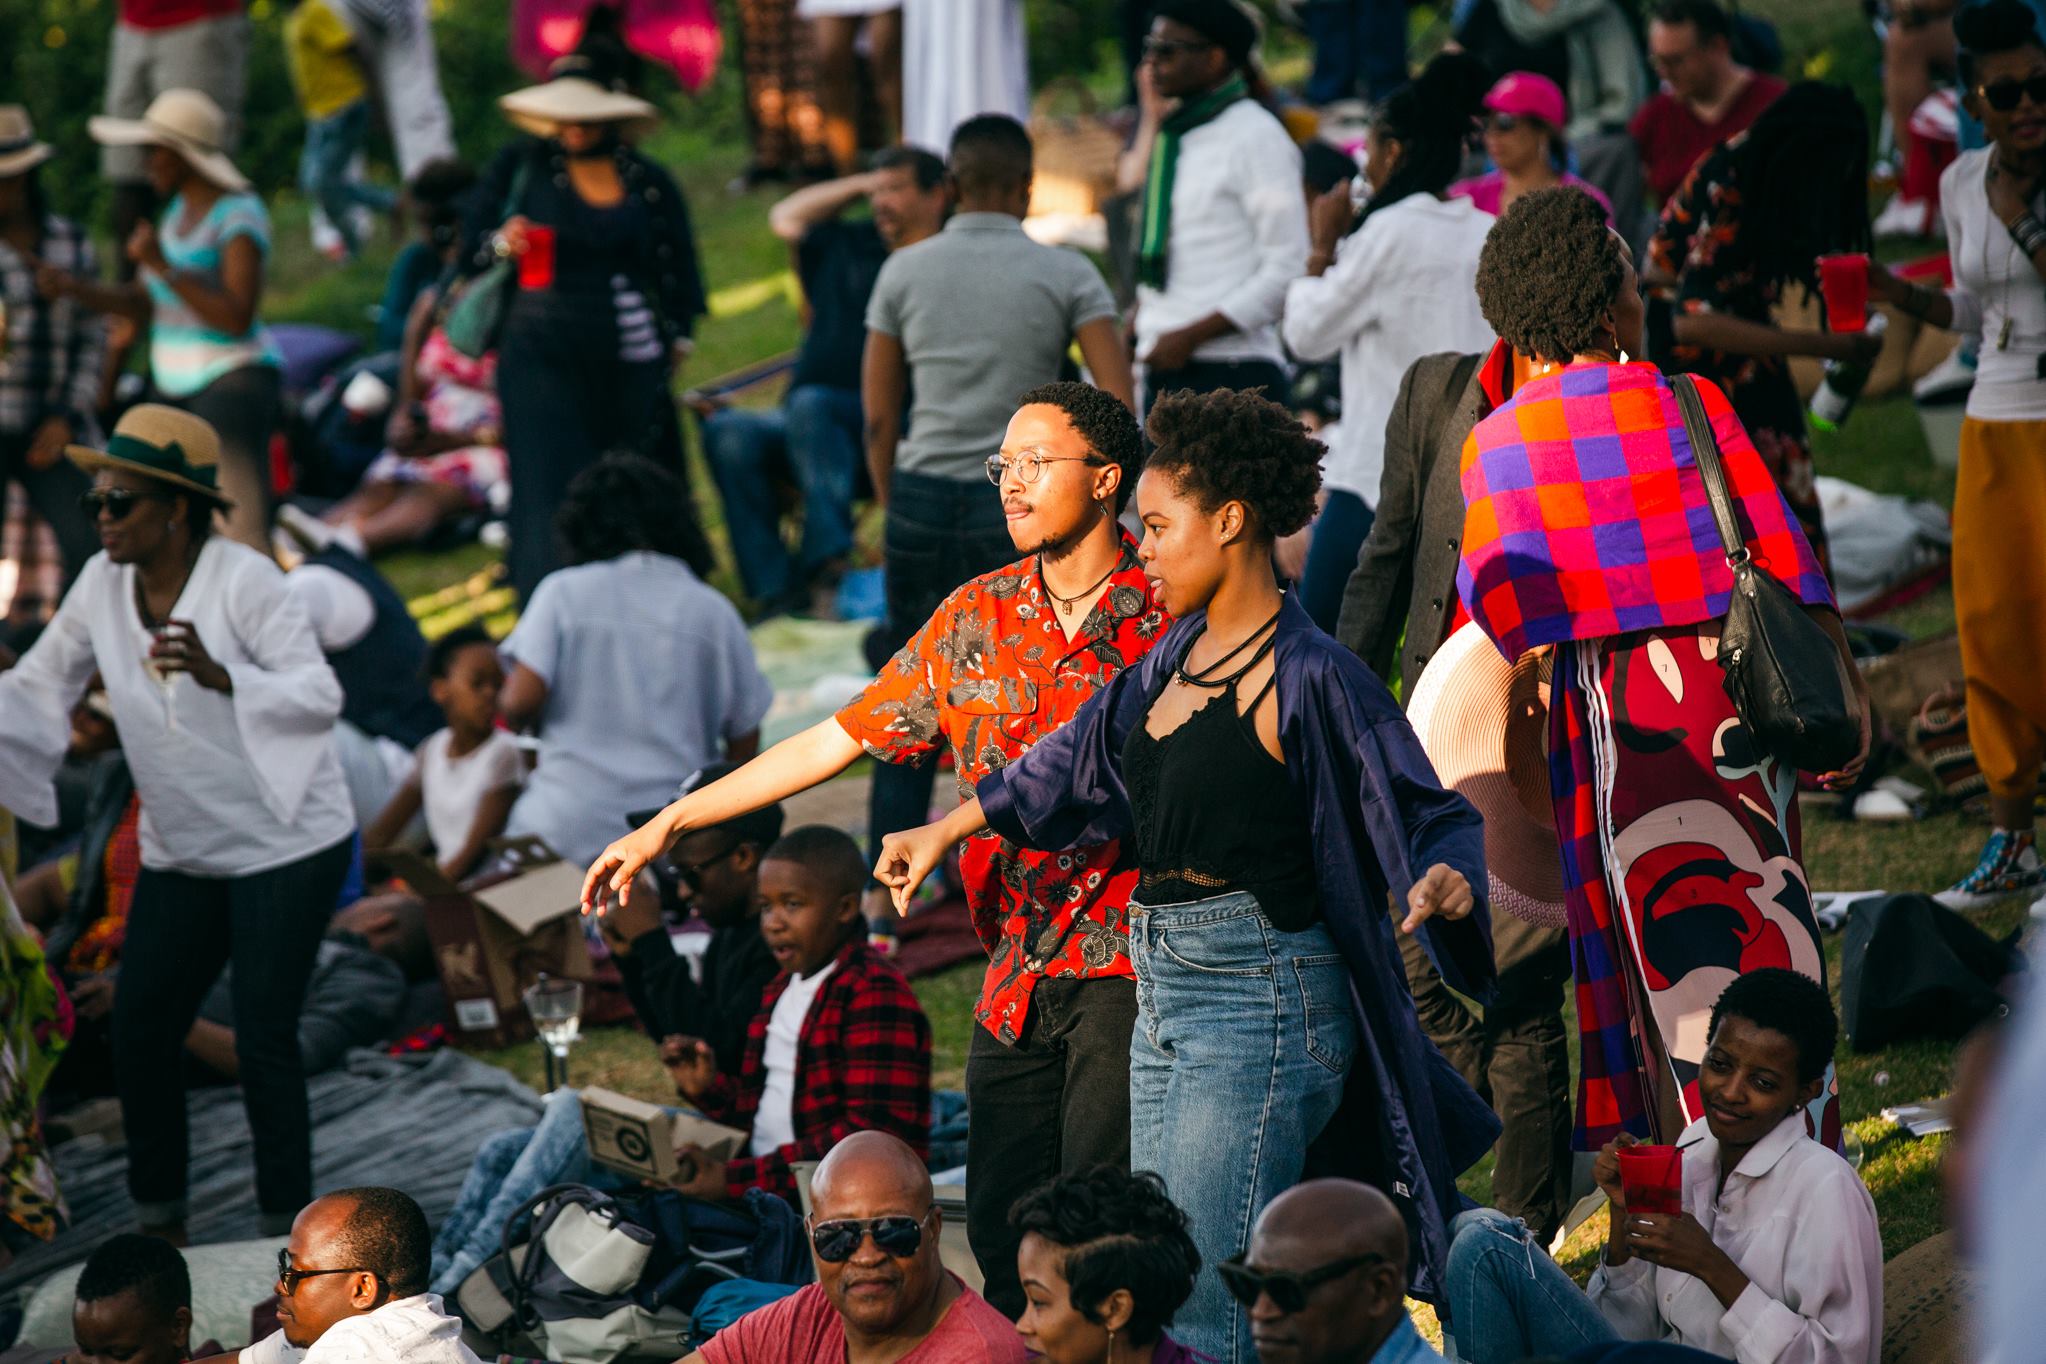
(682, 35)
(804, 1328)
(1525, 93)
(1486, 191)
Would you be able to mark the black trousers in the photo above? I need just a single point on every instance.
(568, 400)
(53, 492)
(1517, 1057)
(182, 930)
(1209, 376)
(940, 532)
(1056, 1102)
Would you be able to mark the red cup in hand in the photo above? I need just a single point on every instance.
(1652, 1178)
(1843, 280)
(536, 262)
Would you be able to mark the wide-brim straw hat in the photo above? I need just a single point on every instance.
(186, 121)
(20, 153)
(542, 109)
(1484, 724)
(167, 444)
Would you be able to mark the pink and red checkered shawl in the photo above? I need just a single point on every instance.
(1586, 515)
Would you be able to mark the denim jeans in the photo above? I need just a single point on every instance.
(1508, 1300)
(812, 440)
(508, 1170)
(1244, 1037)
(940, 532)
(1356, 42)
(323, 173)
(1339, 534)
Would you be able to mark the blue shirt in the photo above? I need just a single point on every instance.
(1404, 1346)
(1380, 819)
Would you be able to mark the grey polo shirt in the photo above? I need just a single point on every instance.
(984, 315)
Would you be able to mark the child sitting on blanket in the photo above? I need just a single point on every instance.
(839, 1044)
(464, 777)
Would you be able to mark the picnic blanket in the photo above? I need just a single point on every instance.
(410, 1122)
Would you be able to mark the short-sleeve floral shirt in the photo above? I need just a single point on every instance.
(989, 674)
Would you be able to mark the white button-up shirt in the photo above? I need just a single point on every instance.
(1403, 286)
(1238, 235)
(414, 1330)
(1798, 1221)
(231, 784)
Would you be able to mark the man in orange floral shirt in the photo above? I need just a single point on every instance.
(1008, 657)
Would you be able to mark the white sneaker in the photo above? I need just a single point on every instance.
(1903, 217)
(1950, 377)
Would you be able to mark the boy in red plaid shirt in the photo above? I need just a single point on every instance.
(839, 1044)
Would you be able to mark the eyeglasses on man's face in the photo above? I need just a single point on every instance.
(897, 1236)
(1028, 464)
(289, 1277)
(1288, 1289)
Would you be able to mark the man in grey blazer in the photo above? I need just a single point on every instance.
(1396, 612)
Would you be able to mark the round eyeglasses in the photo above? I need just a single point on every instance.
(1029, 465)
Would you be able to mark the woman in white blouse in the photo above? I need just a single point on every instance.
(1384, 290)
(226, 710)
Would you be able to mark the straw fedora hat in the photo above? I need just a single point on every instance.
(1484, 724)
(186, 121)
(167, 444)
(542, 109)
(20, 153)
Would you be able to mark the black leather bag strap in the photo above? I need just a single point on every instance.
(1705, 450)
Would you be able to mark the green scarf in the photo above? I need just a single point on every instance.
(1164, 162)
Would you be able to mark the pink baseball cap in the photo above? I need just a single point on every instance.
(1529, 96)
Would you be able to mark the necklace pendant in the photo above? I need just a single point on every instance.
(2003, 334)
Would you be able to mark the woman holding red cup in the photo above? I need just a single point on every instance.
(1996, 238)
(608, 288)
(1772, 1251)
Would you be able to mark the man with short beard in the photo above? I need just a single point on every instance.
(1006, 659)
(882, 1293)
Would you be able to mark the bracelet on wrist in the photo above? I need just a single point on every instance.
(2028, 232)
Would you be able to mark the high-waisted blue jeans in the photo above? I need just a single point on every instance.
(1244, 1036)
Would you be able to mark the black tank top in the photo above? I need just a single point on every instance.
(1215, 813)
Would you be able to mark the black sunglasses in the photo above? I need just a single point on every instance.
(690, 874)
(116, 501)
(1503, 123)
(1171, 47)
(1287, 1290)
(897, 1236)
(289, 1279)
(2004, 95)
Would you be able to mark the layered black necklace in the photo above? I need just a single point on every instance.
(1212, 677)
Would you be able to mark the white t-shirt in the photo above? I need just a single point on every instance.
(451, 789)
(415, 1330)
(1994, 287)
(1404, 286)
(774, 1125)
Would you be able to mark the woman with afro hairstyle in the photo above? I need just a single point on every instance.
(1106, 1261)
(1588, 533)
(1751, 220)
(1278, 799)
(1993, 202)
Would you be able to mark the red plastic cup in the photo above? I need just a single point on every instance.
(536, 262)
(1843, 280)
(1652, 1179)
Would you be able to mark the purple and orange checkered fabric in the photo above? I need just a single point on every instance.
(1586, 515)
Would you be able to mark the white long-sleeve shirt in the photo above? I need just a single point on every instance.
(1238, 235)
(414, 1330)
(235, 784)
(1402, 286)
(1797, 1220)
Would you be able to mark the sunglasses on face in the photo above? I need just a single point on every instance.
(115, 502)
(1287, 1290)
(1503, 123)
(690, 874)
(1161, 48)
(289, 1278)
(2004, 95)
(897, 1236)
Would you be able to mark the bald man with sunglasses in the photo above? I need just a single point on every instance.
(1325, 1278)
(881, 1295)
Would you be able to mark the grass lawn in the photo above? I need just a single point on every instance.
(755, 315)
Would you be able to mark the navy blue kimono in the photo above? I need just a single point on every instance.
(1409, 1123)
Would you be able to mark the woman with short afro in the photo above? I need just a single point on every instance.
(1278, 799)
(1588, 535)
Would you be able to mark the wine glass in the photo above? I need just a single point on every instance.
(164, 678)
(556, 1007)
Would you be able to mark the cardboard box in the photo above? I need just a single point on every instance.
(495, 936)
(639, 1140)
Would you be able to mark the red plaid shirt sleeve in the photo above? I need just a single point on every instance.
(863, 1062)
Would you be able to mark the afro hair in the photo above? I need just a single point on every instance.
(1103, 422)
(1549, 273)
(1232, 446)
(1788, 1002)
